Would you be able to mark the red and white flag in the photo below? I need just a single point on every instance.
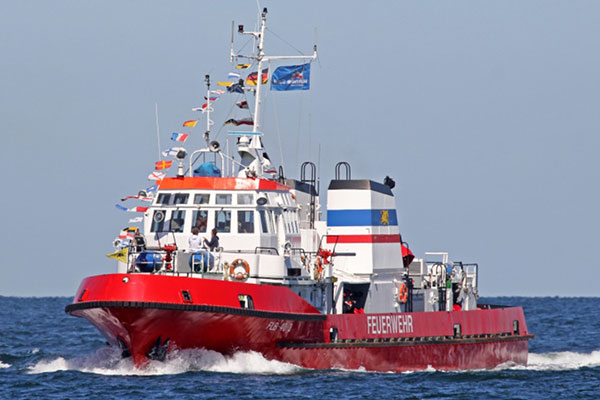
(157, 176)
(179, 137)
(138, 197)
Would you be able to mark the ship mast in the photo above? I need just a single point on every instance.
(208, 110)
(261, 60)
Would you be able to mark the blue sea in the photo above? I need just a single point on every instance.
(45, 353)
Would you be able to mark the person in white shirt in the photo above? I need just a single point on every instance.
(195, 241)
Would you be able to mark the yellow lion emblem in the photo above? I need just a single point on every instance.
(385, 217)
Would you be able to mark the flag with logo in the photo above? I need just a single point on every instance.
(120, 255)
(292, 77)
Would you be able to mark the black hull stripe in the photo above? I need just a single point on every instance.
(414, 342)
(192, 307)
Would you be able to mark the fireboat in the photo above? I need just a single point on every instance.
(319, 287)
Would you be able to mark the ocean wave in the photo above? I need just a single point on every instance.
(564, 360)
(3, 365)
(108, 361)
(556, 361)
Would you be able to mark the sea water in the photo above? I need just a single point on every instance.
(45, 353)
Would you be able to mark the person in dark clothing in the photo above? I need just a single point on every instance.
(214, 240)
(139, 242)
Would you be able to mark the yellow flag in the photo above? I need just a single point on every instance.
(242, 66)
(120, 255)
(226, 84)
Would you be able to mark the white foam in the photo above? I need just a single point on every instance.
(108, 361)
(3, 365)
(564, 360)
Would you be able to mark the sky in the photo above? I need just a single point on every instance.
(484, 113)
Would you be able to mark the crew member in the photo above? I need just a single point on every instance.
(138, 241)
(214, 240)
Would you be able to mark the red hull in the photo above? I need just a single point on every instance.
(284, 327)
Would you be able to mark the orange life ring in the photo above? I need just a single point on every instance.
(402, 294)
(237, 263)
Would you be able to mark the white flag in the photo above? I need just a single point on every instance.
(172, 152)
(157, 176)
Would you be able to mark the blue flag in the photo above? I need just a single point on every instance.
(292, 77)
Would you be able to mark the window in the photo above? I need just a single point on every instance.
(244, 198)
(163, 198)
(200, 220)
(263, 221)
(246, 301)
(181, 198)
(187, 297)
(201, 198)
(245, 221)
(158, 221)
(272, 221)
(177, 220)
(223, 199)
(223, 220)
(457, 330)
(286, 222)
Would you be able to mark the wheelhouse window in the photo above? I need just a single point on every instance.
(158, 221)
(245, 221)
(223, 221)
(244, 198)
(181, 198)
(201, 198)
(163, 198)
(223, 199)
(177, 220)
(200, 220)
(263, 221)
(272, 221)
